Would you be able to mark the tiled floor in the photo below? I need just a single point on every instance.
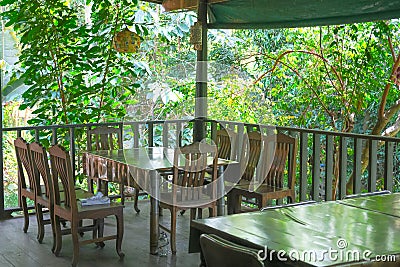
(20, 249)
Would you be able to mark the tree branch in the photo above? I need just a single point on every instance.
(103, 81)
(381, 112)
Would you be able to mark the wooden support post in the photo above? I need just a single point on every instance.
(201, 76)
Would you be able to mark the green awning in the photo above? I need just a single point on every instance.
(240, 14)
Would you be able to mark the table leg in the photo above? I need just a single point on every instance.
(221, 192)
(154, 199)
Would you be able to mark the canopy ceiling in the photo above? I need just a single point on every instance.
(298, 13)
(234, 14)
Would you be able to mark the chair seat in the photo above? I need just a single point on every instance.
(80, 193)
(100, 208)
(185, 204)
(273, 192)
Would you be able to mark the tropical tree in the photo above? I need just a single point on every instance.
(331, 78)
(68, 61)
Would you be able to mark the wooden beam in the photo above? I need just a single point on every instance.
(171, 5)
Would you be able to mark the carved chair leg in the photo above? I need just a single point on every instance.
(200, 213)
(212, 211)
(135, 203)
(120, 234)
(58, 236)
(95, 230)
(234, 202)
(193, 214)
(75, 242)
(53, 231)
(229, 203)
(100, 233)
(173, 230)
(39, 217)
(26, 215)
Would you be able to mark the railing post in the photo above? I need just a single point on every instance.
(303, 165)
(135, 126)
(388, 176)
(165, 130)
(150, 137)
(342, 166)
(37, 137)
(357, 165)
(329, 167)
(72, 150)
(372, 165)
(316, 172)
(54, 136)
(178, 135)
(240, 141)
(214, 131)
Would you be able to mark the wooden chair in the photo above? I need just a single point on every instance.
(31, 190)
(226, 143)
(108, 138)
(188, 192)
(71, 210)
(251, 151)
(279, 151)
(45, 199)
(218, 252)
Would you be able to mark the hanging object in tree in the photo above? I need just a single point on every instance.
(126, 41)
(196, 32)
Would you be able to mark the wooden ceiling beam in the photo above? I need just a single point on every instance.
(171, 5)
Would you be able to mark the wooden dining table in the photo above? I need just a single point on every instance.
(320, 234)
(387, 204)
(143, 165)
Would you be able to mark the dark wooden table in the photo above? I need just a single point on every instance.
(387, 204)
(321, 234)
(144, 164)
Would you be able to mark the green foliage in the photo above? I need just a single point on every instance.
(325, 77)
(73, 73)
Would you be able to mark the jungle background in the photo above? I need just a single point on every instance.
(59, 67)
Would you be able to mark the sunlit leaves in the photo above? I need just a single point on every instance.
(74, 74)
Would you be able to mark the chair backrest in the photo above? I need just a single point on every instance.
(62, 174)
(104, 138)
(190, 166)
(219, 252)
(24, 162)
(279, 154)
(251, 151)
(226, 143)
(41, 165)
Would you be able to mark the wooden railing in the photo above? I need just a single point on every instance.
(319, 153)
